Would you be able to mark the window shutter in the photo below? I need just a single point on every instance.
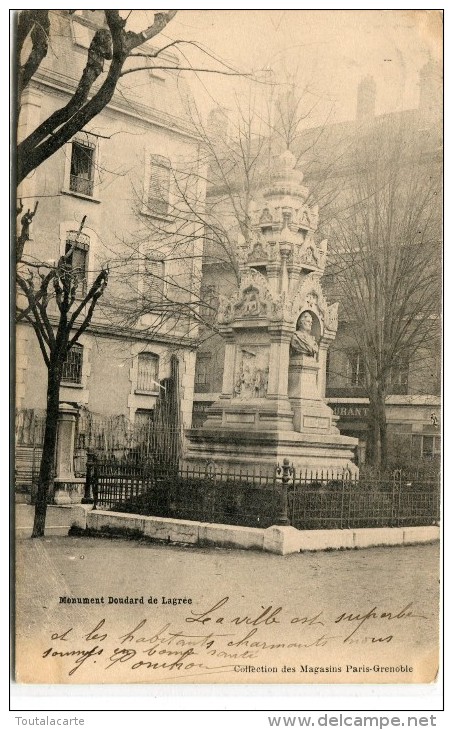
(155, 280)
(159, 185)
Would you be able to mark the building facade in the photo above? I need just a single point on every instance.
(121, 172)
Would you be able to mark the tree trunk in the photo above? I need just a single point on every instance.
(46, 471)
(377, 425)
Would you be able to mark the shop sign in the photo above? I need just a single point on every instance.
(350, 410)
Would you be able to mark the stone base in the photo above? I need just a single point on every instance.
(261, 451)
(256, 414)
(68, 491)
(313, 416)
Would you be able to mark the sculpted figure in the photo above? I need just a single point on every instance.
(302, 341)
(251, 303)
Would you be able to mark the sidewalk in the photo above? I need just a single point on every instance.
(59, 519)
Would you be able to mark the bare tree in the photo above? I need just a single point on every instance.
(385, 249)
(48, 301)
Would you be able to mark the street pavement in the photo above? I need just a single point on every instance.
(251, 616)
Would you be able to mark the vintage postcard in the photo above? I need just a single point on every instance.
(228, 346)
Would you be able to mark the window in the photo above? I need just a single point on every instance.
(355, 369)
(155, 280)
(72, 366)
(78, 244)
(399, 376)
(148, 373)
(81, 178)
(143, 423)
(203, 373)
(209, 302)
(425, 446)
(159, 185)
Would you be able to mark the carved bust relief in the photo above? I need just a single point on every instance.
(303, 342)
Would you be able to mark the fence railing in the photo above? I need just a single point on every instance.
(29, 427)
(117, 436)
(194, 494)
(305, 500)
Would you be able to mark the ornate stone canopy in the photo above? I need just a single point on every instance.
(284, 225)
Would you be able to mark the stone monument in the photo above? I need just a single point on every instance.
(277, 328)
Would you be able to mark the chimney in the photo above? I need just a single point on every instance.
(430, 87)
(366, 99)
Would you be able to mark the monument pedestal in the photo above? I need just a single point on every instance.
(311, 412)
(261, 451)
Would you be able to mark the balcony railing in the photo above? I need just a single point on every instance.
(81, 185)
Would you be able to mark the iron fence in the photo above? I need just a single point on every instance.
(346, 506)
(29, 427)
(376, 499)
(226, 496)
(305, 500)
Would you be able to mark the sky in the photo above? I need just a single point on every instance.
(328, 50)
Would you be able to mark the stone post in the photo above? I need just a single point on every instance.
(65, 453)
(65, 442)
(283, 365)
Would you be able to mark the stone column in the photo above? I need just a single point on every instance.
(278, 365)
(323, 347)
(324, 344)
(293, 272)
(272, 383)
(228, 369)
(285, 250)
(65, 452)
(273, 276)
(283, 365)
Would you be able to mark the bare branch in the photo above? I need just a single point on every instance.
(36, 24)
(184, 68)
(161, 20)
(33, 309)
(96, 291)
(24, 234)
